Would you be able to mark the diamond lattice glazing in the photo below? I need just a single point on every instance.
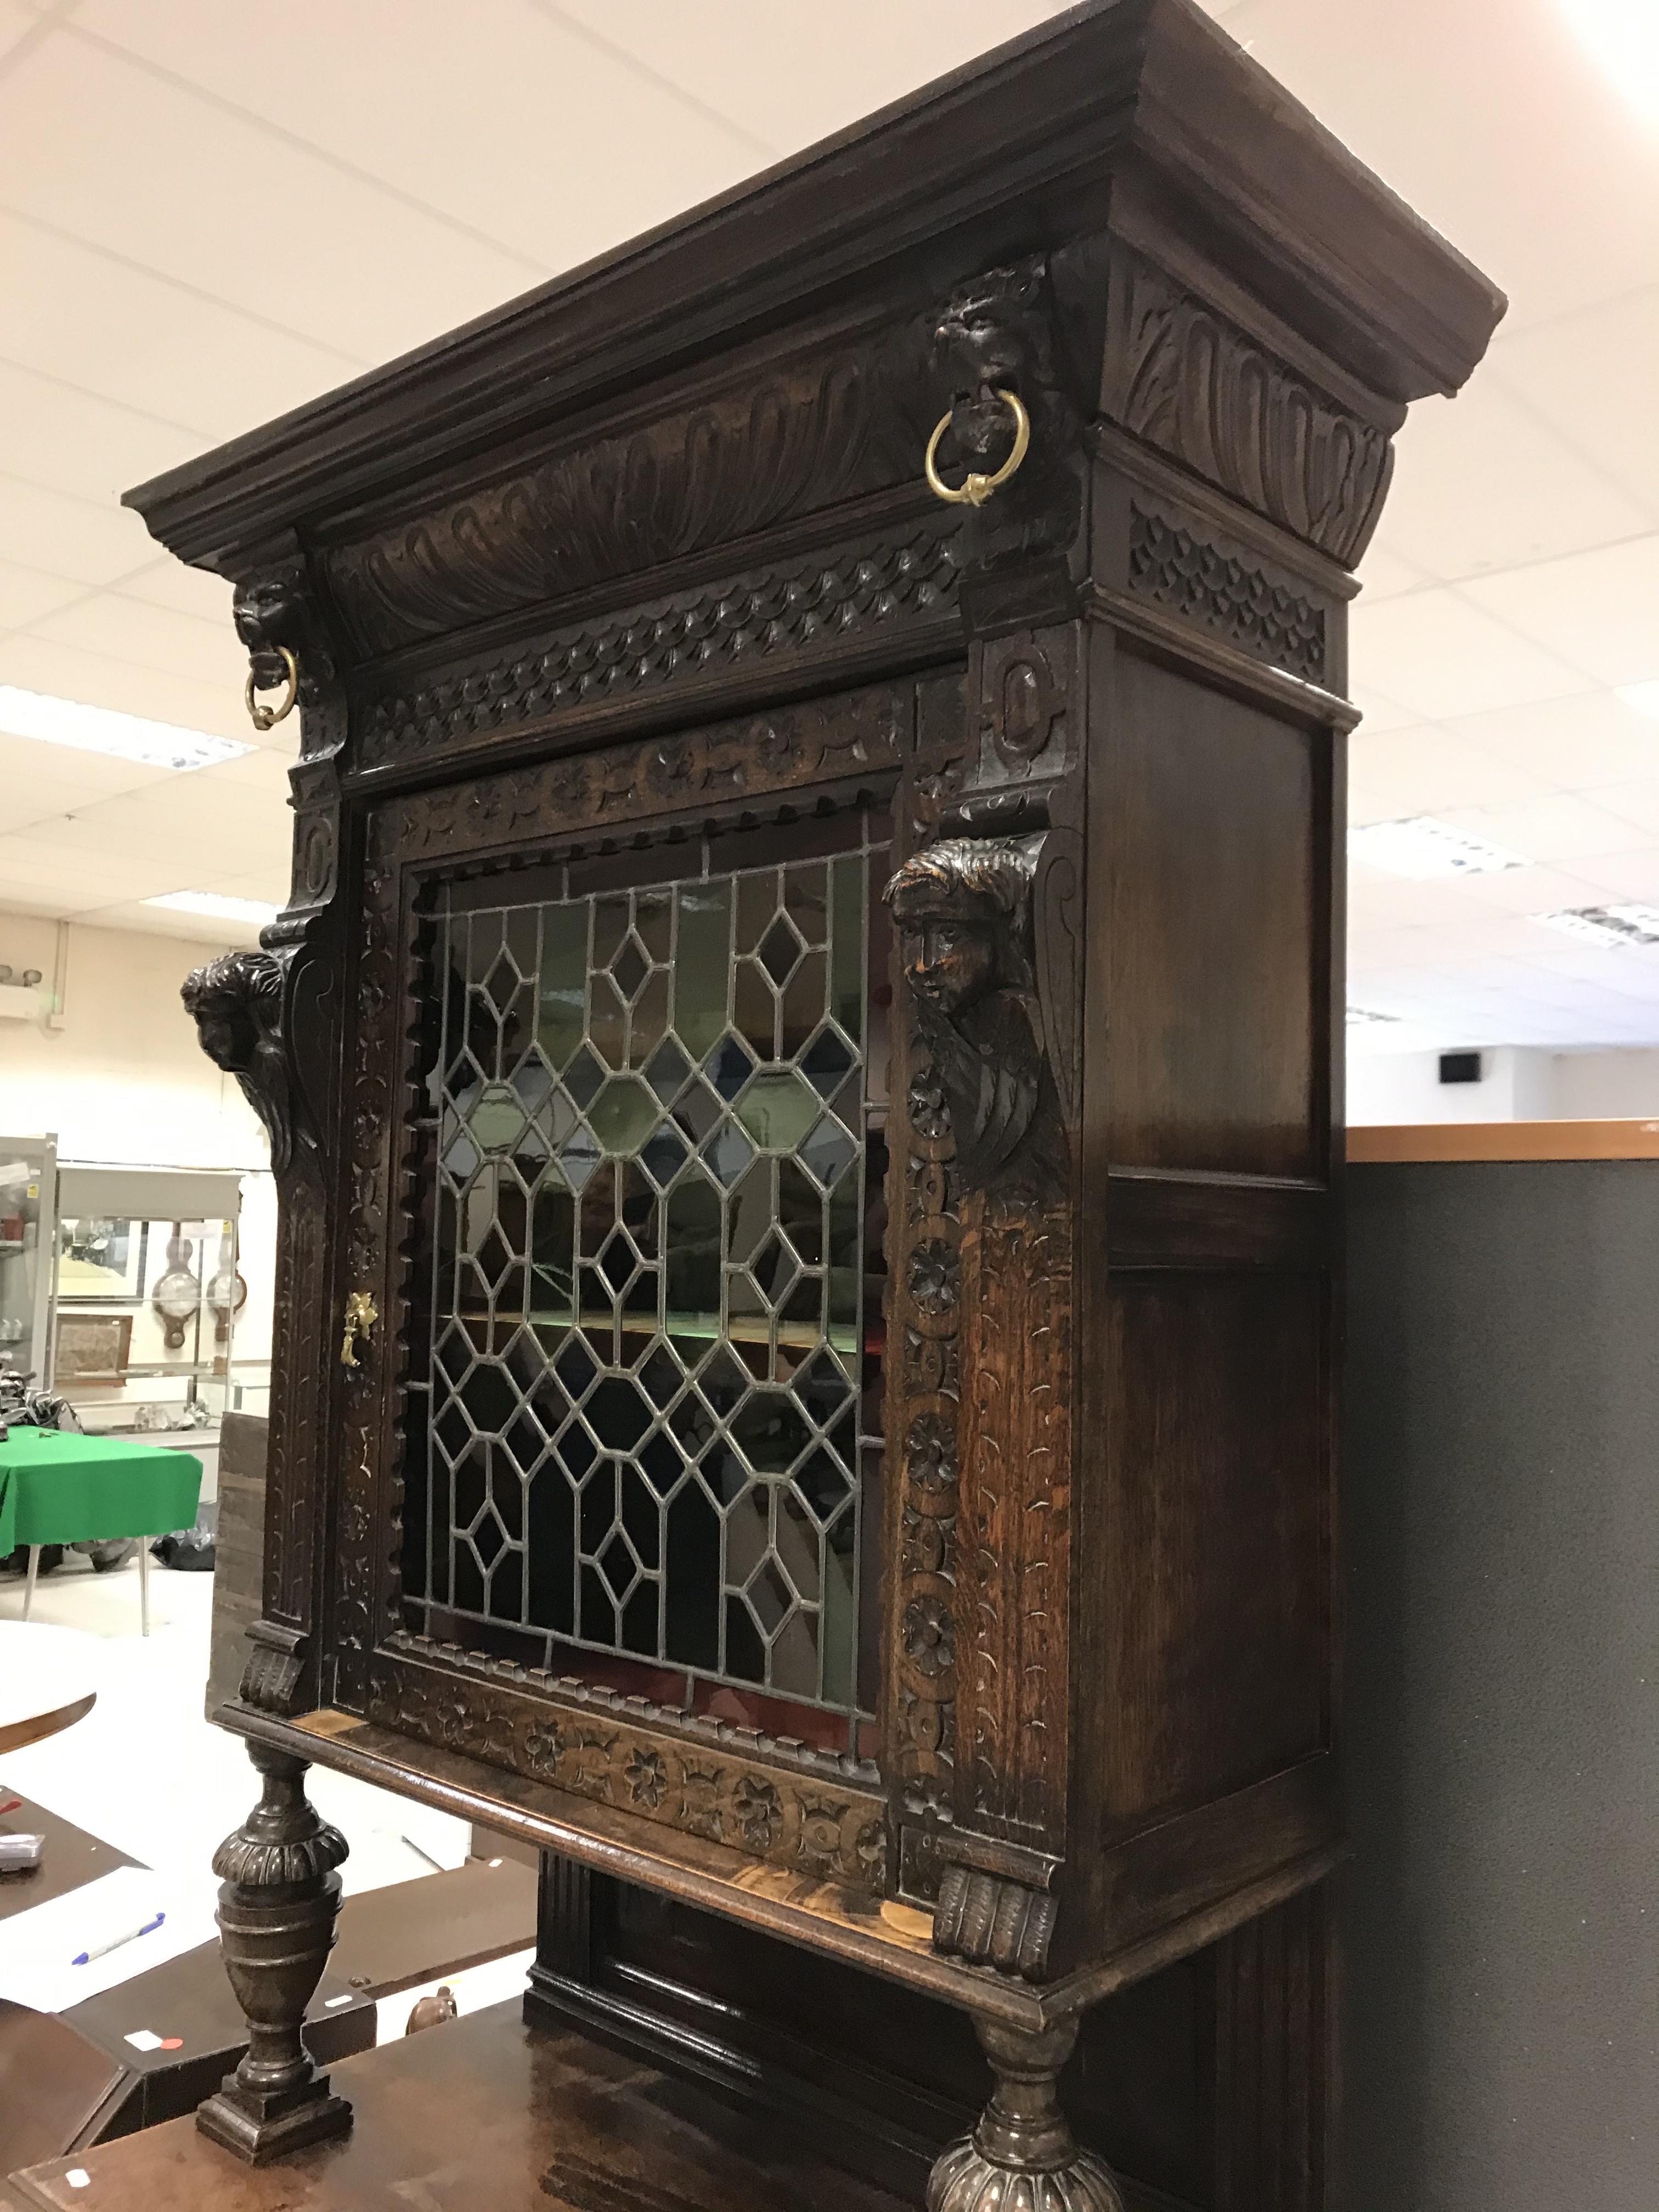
(648, 1273)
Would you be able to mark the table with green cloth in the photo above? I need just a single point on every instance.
(57, 1486)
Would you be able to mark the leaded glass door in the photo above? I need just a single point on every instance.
(649, 1304)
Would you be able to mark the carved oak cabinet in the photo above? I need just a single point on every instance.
(803, 1066)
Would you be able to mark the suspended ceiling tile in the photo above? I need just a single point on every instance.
(1590, 375)
(132, 180)
(151, 637)
(1599, 611)
(93, 320)
(1480, 483)
(65, 775)
(1440, 655)
(159, 921)
(25, 594)
(67, 672)
(1421, 771)
(520, 130)
(168, 583)
(1559, 827)
(1532, 891)
(1636, 803)
(1628, 875)
(1446, 98)
(55, 434)
(790, 76)
(76, 539)
(1593, 738)
(1385, 573)
(1378, 713)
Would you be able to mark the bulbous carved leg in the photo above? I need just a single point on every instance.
(1022, 2156)
(278, 1898)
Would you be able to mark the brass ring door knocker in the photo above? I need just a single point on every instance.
(267, 718)
(976, 487)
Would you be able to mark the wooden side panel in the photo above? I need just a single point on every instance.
(1215, 1650)
(1215, 992)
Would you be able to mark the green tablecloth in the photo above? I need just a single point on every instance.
(57, 1487)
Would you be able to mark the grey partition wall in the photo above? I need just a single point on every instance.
(1499, 1918)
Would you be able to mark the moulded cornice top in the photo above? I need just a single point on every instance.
(1017, 152)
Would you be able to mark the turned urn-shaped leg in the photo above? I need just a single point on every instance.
(277, 1902)
(1022, 2156)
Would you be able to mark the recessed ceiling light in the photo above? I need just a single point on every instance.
(1644, 698)
(218, 905)
(1623, 35)
(1606, 925)
(1421, 847)
(102, 730)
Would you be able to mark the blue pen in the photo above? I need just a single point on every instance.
(115, 1942)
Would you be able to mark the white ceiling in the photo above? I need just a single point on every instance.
(212, 211)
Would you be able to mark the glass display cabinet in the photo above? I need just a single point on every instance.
(803, 1070)
(28, 1182)
(147, 1292)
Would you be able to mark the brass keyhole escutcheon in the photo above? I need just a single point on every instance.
(360, 1315)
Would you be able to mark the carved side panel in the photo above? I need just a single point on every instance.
(1183, 378)
(1017, 1458)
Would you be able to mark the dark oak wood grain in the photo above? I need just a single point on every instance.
(645, 572)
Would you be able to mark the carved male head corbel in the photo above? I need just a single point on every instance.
(964, 911)
(236, 1003)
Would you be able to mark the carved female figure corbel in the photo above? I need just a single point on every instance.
(964, 910)
(236, 1003)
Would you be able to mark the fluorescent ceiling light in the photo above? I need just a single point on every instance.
(1420, 847)
(215, 904)
(1623, 36)
(102, 730)
(1644, 698)
(1606, 926)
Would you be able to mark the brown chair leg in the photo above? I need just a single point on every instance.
(277, 1902)
(1022, 2156)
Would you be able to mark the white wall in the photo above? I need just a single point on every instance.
(1519, 1084)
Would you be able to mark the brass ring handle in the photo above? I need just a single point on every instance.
(976, 487)
(267, 718)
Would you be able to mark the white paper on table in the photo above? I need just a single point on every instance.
(37, 1947)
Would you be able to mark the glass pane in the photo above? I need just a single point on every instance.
(646, 1273)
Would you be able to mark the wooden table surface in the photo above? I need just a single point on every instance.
(484, 2112)
(47, 1679)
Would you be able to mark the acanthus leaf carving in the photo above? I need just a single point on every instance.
(1187, 381)
(817, 432)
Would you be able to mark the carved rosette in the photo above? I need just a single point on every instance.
(924, 1394)
(816, 1825)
